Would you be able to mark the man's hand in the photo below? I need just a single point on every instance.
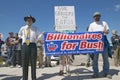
(12, 43)
(16, 42)
(105, 31)
(116, 39)
(40, 41)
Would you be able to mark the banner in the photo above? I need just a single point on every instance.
(65, 18)
(73, 43)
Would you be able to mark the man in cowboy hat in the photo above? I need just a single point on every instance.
(29, 35)
(29, 17)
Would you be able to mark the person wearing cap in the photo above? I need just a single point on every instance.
(17, 51)
(89, 56)
(40, 49)
(115, 39)
(1, 43)
(10, 45)
(29, 35)
(102, 26)
(65, 60)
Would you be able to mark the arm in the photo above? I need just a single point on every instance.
(21, 34)
(113, 40)
(90, 29)
(119, 40)
(106, 28)
(40, 38)
(7, 42)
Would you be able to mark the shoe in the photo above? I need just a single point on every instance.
(71, 60)
(82, 64)
(116, 65)
(95, 76)
(12, 66)
(61, 73)
(68, 73)
(46, 65)
(39, 66)
(19, 66)
(88, 65)
(108, 76)
(50, 66)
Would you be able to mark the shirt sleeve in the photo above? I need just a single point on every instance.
(20, 33)
(112, 40)
(106, 25)
(90, 28)
(40, 37)
(37, 34)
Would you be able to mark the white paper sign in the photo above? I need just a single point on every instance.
(65, 18)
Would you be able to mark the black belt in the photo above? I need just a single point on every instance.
(30, 43)
(39, 46)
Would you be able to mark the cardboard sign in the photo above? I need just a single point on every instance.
(65, 18)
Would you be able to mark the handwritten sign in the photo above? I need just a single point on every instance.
(65, 18)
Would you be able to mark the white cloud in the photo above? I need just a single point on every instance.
(117, 7)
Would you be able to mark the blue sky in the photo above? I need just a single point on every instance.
(12, 13)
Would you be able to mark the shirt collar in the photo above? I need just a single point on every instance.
(26, 26)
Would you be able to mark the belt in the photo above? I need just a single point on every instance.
(30, 43)
(39, 46)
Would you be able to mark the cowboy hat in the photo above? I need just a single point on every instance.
(33, 19)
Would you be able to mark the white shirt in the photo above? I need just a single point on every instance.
(98, 26)
(34, 32)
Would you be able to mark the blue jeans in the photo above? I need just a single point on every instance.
(9, 49)
(105, 62)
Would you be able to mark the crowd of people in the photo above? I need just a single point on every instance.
(26, 47)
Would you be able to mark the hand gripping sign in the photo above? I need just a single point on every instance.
(73, 43)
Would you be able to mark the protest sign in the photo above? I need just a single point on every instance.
(65, 18)
(73, 43)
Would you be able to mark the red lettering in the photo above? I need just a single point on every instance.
(63, 45)
(100, 45)
(99, 36)
(60, 36)
(87, 36)
(64, 36)
(49, 37)
(94, 36)
(68, 45)
(95, 45)
(83, 45)
(91, 45)
(69, 37)
(81, 36)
